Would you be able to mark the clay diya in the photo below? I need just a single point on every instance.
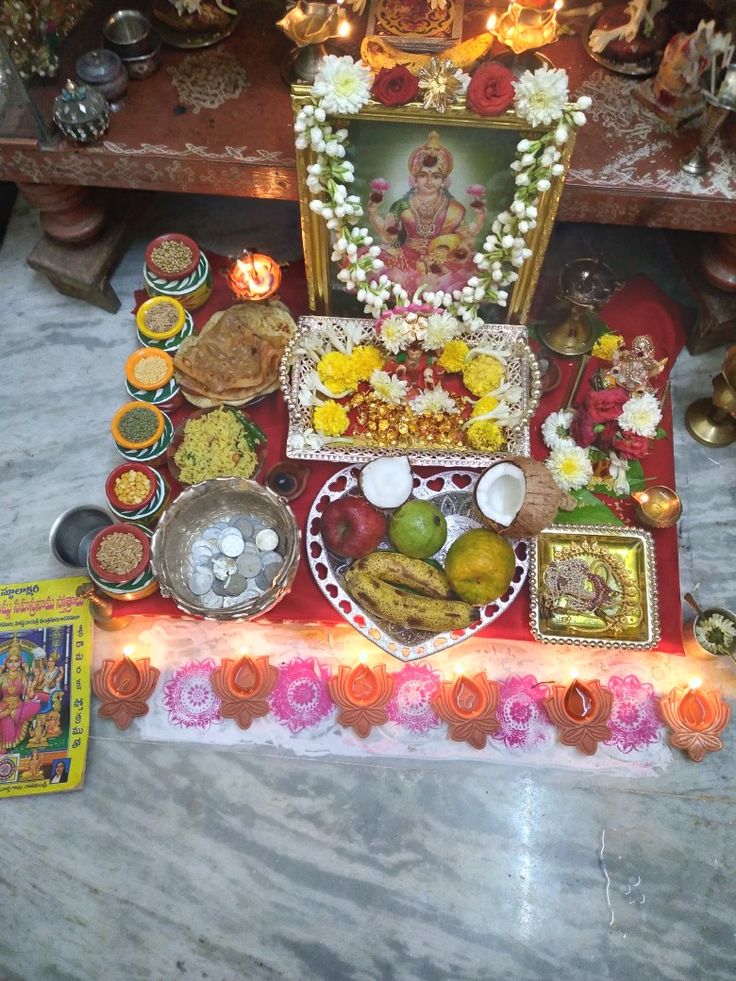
(123, 687)
(695, 718)
(361, 693)
(468, 706)
(243, 687)
(580, 711)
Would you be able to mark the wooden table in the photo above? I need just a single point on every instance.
(624, 171)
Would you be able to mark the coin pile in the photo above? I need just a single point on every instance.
(233, 561)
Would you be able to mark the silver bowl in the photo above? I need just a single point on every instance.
(194, 510)
(72, 533)
(144, 65)
(127, 33)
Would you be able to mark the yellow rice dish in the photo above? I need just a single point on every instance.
(214, 445)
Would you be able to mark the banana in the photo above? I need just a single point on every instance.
(420, 612)
(393, 567)
(379, 54)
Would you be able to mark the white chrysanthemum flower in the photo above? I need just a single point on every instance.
(556, 429)
(641, 415)
(441, 328)
(396, 334)
(342, 85)
(542, 96)
(434, 400)
(570, 466)
(388, 388)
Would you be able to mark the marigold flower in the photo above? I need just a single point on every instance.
(337, 372)
(483, 374)
(330, 419)
(486, 435)
(453, 357)
(606, 346)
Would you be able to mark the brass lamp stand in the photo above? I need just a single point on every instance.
(585, 285)
(712, 421)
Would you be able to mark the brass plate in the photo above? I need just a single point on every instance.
(595, 586)
(190, 41)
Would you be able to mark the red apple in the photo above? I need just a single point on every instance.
(352, 527)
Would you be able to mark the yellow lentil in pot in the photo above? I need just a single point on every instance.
(150, 370)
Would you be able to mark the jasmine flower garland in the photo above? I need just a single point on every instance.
(343, 86)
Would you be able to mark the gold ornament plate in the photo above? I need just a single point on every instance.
(595, 586)
(509, 339)
(452, 492)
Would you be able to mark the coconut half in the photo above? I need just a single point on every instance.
(500, 493)
(518, 497)
(387, 482)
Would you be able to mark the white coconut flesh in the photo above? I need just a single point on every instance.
(387, 482)
(500, 493)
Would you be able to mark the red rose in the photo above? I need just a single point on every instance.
(395, 86)
(491, 89)
(630, 446)
(581, 429)
(605, 403)
(604, 437)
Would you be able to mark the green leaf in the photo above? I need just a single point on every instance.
(589, 511)
(661, 433)
(635, 476)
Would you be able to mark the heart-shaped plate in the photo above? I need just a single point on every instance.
(452, 492)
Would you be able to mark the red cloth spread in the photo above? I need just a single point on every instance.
(640, 307)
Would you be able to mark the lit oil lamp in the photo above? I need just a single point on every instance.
(123, 687)
(468, 706)
(243, 687)
(361, 693)
(658, 507)
(526, 25)
(696, 718)
(254, 277)
(580, 711)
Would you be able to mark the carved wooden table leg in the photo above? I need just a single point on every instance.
(719, 262)
(80, 269)
(70, 214)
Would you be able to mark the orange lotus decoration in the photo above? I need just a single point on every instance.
(243, 687)
(123, 687)
(468, 706)
(696, 718)
(361, 693)
(580, 711)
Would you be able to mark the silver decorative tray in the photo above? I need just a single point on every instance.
(451, 491)
(509, 339)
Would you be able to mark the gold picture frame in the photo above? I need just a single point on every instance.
(404, 125)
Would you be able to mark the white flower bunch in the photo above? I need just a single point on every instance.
(388, 388)
(434, 400)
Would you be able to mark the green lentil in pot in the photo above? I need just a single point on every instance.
(138, 425)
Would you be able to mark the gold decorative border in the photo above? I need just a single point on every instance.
(315, 235)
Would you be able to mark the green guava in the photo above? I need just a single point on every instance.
(418, 529)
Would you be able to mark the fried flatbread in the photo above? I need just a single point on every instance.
(235, 358)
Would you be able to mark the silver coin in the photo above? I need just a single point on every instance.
(251, 594)
(211, 601)
(251, 547)
(218, 588)
(258, 524)
(230, 601)
(249, 564)
(231, 542)
(235, 584)
(223, 567)
(244, 526)
(265, 579)
(272, 558)
(267, 540)
(200, 582)
(212, 531)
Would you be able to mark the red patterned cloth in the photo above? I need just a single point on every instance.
(640, 307)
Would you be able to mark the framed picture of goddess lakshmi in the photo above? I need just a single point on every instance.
(430, 186)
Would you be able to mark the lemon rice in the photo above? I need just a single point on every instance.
(215, 445)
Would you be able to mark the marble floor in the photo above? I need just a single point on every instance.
(182, 861)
